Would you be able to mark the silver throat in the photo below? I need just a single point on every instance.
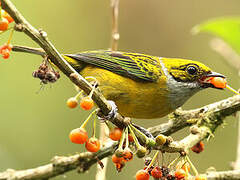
(179, 92)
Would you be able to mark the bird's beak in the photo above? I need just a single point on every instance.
(207, 80)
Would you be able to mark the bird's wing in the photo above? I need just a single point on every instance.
(132, 65)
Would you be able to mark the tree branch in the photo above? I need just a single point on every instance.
(115, 35)
(223, 175)
(60, 164)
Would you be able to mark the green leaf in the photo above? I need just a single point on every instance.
(227, 28)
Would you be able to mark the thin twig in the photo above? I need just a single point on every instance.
(60, 165)
(115, 35)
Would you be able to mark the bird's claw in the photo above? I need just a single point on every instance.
(112, 114)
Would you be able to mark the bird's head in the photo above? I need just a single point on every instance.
(185, 78)
(191, 73)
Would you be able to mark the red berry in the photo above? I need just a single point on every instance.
(127, 154)
(87, 103)
(199, 147)
(156, 172)
(7, 16)
(5, 46)
(78, 136)
(116, 159)
(142, 175)
(219, 82)
(72, 102)
(180, 174)
(115, 134)
(92, 145)
(130, 138)
(201, 177)
(5, 50)
(3, 24)
(5, 53)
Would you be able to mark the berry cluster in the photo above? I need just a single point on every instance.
(128, 141)
(46, 73)
(79, 135)
(5, 19)
(123, 154)
(181, 171)
(153, 170)
(86, 103)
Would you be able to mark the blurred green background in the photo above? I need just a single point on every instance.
(34, 126)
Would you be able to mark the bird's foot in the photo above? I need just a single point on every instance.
(111, 115)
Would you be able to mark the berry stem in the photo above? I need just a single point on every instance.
(138, 145)
(140, 133)
(126, 136)
(191, 164)
(177, 158)
(94, 127)
(10, 37)
(79, 94)
(153, 160)
(231, 89)
(88, 118)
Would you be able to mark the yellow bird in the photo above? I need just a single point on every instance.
(143, 86)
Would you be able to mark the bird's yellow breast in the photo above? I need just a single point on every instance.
(137, 99)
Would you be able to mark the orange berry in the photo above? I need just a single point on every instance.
(199, 147)
(183, 165)
(78, 136)
(127, 154)
(72, 102)
(116, 159)
(180, 174)
(142, 175)
(5, 46)
(7, 16)
(5, 53)
(87, 103)
(130, 138)
(201, 177)
(156, 172)
(92, 145)
(115, 134)
(219, 82)
(3, 24)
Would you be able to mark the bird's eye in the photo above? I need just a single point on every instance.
(192, 70)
